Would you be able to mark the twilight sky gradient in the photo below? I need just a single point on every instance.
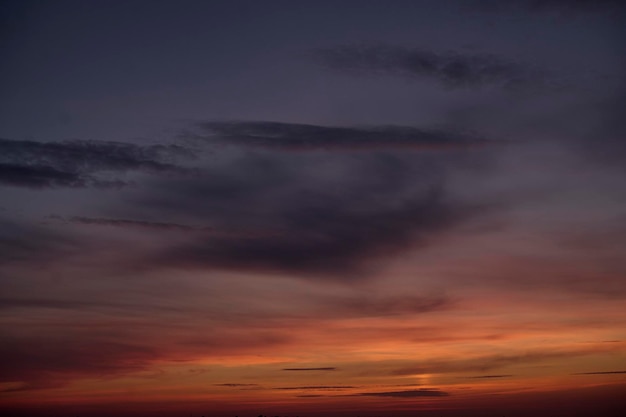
(313, 208)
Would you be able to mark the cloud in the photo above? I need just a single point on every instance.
(489, 376)
(337, 215)
(80, 163)
(140, 224)
(33, 244)
(310, 369)
(330, 236)
(302, 137)
(40, 177)
(384, 306)
(600, 373)
(53, 361)
(454, 70)
(78, 345)
(490, 362)
(422, 392)
(306, 215)
(235, 385)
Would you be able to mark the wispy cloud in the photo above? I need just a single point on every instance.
(80, 163)
(601, 373)
(302, 137)
(451, 69)
(491, 362)
(422, 392)
(317, 387)
(311, 369)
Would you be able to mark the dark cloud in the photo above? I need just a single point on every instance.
(80, 163)
(40, 177)
(310, 369)
(489, 376)
(328, 236)
(235, 385)
(301, 137)
(306, 214)
(601, 373)
(451, 69)
(422, 392)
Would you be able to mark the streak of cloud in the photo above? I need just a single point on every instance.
(302, 137)
(601, 373)
(81, 163)
(455, 70)
(422, 392)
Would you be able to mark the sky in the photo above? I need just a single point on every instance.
(312, 208)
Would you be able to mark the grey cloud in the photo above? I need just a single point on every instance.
(80, 163)
(302, 137)
(37, 176)
(451, 69)
(334, 215)
(325, 237)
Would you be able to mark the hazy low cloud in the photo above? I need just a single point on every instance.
(451, 69)
(310, 369)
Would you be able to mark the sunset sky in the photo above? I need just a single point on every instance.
(313, 208)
